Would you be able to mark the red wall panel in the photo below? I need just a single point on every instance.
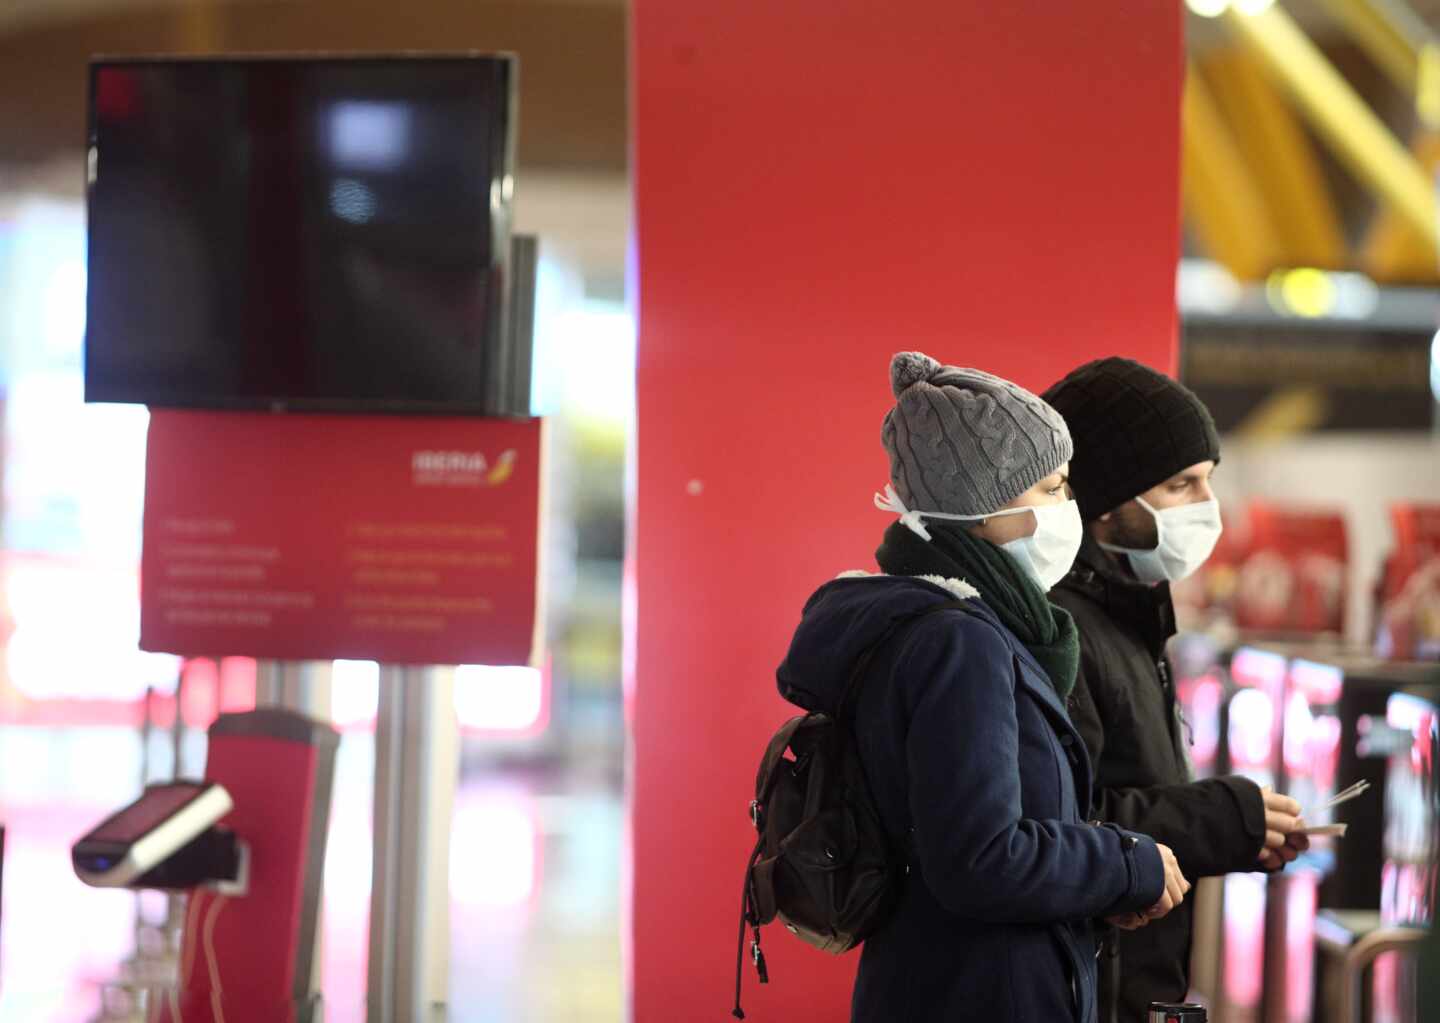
(819, 185)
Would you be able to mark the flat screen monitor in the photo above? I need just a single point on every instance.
(299, 232)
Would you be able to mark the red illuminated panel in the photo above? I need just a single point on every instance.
(1258, 669)
(1388, 993)
(1296, 732)
(1300, 895)
(1293, 579)
(1255, 712)
(1320, 684)
(1203, 710)
(1325, 735)
(1252, 733)
(1410, 592)
(1244, 945)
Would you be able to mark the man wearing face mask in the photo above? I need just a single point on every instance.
(1145, 449)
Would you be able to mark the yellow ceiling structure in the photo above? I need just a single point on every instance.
(1265, 109)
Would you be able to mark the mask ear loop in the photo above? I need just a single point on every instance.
(890, 502)
(1159, 522)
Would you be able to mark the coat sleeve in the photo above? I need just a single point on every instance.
(979, 855)
(1214, 826)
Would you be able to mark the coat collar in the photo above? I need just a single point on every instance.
(958, 588)
(1146, 609)
(1029, 671)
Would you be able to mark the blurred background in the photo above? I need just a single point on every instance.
(536, 840)
(1309, 290)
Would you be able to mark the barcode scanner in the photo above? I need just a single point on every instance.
(165, 839)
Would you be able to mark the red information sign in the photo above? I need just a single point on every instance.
(312, 537)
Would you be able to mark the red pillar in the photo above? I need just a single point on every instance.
(820, 183)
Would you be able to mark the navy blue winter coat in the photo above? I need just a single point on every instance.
(979, 774)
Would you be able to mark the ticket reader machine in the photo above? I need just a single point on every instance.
(248, 843)
(168, 839)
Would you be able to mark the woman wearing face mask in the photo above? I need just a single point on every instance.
(960, 723)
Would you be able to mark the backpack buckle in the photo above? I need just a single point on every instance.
(755, 813)
(758, 958)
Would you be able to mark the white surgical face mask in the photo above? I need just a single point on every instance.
(1187, 535)
(1046, 555)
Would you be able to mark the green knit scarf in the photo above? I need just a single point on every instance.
(1047, 631)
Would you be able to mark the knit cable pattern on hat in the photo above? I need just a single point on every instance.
(965, 442)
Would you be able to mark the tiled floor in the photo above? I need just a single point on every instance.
(535, 885)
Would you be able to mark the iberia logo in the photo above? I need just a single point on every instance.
(460, 468)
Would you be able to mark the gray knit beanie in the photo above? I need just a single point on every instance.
(965, 442)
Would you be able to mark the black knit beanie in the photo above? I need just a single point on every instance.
(1133, 429)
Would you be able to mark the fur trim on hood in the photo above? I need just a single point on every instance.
(959, 587)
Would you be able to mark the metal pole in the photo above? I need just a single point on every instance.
(416, 765)
(384, 887)
(302, 686)
(1362, 954)
(177, 728)
(267, 683)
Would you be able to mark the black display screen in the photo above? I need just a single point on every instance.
(322, 233)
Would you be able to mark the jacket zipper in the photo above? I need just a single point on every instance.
(1172, 704)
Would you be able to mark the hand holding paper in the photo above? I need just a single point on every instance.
(1283, 841)
(1286, 833)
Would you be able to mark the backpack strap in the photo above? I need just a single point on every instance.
(748, 915)
(845, 715)
(762, 889)
(774, 753)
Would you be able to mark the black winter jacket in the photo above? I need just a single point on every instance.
(1124, 707)
(975, 770)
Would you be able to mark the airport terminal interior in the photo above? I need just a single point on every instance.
(1306, 290)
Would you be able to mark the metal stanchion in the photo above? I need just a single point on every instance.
(416, 766)
(302, 686)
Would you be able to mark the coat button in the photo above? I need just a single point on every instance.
(1067, 741)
